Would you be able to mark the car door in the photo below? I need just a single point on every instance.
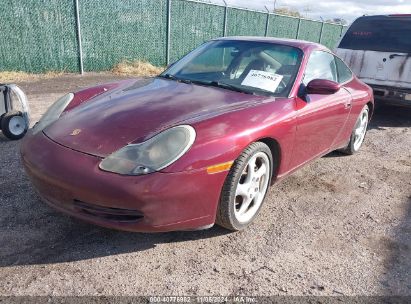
(320, 118)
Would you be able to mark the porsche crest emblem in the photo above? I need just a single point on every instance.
(75, 132)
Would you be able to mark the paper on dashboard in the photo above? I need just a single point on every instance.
(263, 80)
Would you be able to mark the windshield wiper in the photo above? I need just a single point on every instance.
(229, 87)
(167, 76)
(172, 77)
(208, 83)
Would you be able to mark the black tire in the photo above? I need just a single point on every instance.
(226, 209)
(7, 129)
(351, 149)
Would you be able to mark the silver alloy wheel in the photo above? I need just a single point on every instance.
(17, 125)
(361, 130)
(252, 187)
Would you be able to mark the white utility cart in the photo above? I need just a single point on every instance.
(14, 111)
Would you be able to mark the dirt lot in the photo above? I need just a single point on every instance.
(341, 226)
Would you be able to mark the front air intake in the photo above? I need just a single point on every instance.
(107, 213)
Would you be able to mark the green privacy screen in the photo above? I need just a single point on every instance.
(38, 36)
(310, 30)
(192, 24)
(331, 35)
(283, 27)
(245, 23)
(118, 30)
(41, 35)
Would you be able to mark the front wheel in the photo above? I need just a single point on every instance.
(245, 187)
(359, 132)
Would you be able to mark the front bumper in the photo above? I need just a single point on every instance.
(71, 182)
(392, 96)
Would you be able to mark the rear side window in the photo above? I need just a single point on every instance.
(344, 73)
(321, 65)
(379, 33)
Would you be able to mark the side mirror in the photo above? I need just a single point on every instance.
(322, 87)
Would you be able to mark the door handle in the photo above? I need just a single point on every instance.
(348, 105)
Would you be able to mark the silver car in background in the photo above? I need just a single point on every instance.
(378, 50)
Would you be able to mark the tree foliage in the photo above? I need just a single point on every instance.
(288, 12)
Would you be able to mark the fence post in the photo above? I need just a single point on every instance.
(225, 18)
(298, 28)
(321, 32)
(267, 23)
(168, 32)
(342, 30)
(80, 47)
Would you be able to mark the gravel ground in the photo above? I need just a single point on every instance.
(340, 226)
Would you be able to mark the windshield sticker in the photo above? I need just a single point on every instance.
(263, 80)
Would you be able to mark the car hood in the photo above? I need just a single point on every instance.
(134, 112)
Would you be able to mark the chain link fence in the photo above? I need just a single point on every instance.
(46, 35)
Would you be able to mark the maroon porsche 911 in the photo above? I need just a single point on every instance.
(202, 142)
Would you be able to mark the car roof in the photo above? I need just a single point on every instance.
(387, 16)
(301, 44)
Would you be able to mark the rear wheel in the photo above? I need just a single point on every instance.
(13, 125)
(359, 132)
(245, 188)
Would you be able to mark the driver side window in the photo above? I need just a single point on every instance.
(321, 65)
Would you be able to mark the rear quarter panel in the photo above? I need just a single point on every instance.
(362, 94)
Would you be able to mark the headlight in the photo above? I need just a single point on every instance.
(152, 155)
(53, 113)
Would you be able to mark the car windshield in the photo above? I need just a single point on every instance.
(258, 68)
(379, 33)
